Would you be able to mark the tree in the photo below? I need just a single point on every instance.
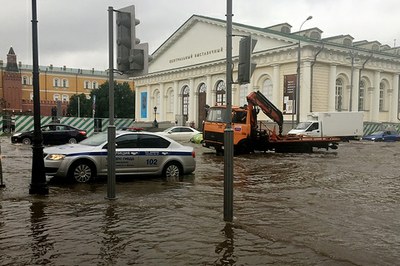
(85, 106)
(124, 100)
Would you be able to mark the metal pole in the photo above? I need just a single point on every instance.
(79, 106)
(38, 180)
(298, 74)
(2, 185)
(228, 134)
(111, 127)
(298, 85)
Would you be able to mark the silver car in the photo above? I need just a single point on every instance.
(179, 133)
(137, 153)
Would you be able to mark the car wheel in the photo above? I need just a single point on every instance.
(26, 141)
(72, 141)
(173, 171)
(82, 172)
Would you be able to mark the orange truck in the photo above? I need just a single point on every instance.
(249, 135)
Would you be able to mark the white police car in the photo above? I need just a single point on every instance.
(137, 153)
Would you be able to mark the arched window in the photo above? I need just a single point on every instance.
(185, 101)
(65, 98)
(267, 89)
(65, 83)
(220, 93)
(203, 88)
(361, 96)
(381, 96)
(95, 85)
(56, 97)
(339, 95)
(243, 94)
(25, 80)
(56, 82)
(87, 84)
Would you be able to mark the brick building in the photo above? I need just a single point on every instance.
(57, 85)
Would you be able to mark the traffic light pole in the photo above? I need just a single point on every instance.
(38, 180)
(111, 127)
(228, 134)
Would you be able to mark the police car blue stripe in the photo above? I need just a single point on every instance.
(98, 153)
(140, 153)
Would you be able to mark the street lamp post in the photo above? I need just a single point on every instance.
(155, 123)
(298, 73)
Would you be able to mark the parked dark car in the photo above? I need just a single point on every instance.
(386, 135)
(53, 134)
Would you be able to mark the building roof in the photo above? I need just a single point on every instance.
(11, 51)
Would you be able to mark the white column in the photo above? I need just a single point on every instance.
(150, 115)
(305, 91)
(393, 111)
(277, 96)
(235, 93)
(375, 97)
(191, 101)
(332, 88)
(354, 104)
(196, 105)
(176, 99)
(213, 94)
(138, 116)
(371, 103)
(389, 98)
(209, 90)
(161, 113)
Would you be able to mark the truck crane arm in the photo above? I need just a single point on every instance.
(268, 108)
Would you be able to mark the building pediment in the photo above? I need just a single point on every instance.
(201, 40)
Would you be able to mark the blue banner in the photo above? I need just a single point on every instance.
(143, 104)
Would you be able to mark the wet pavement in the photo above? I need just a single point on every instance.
(326, 208)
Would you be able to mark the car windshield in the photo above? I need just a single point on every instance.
(216, 115)
(168, 129)
(377, 133)
(95, 140)
(303, 125)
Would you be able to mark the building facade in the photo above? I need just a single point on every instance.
(188, 72)
(57, 85)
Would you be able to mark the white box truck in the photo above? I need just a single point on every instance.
(346, 125)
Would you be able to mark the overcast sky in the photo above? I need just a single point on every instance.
(74, 32)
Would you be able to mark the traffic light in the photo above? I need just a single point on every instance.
(246, 67)
(132, 56)
(139, 59)
(126, 36)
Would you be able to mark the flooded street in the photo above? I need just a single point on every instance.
(326, 208)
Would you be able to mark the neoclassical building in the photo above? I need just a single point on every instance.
(337, 73)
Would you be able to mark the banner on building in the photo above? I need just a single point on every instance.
(289, 94)
(143, 104)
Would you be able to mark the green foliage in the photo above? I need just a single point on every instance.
(124, 102)
(85, 106)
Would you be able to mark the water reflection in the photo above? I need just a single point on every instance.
(110, 250)
(226, 247)
(41, 243)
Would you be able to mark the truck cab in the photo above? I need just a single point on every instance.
(309, 128)
(215, 124)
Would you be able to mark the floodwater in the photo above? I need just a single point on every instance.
(326, 208)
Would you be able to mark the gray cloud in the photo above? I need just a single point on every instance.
(75, 32)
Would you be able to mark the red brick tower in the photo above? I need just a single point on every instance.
(12, 85)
